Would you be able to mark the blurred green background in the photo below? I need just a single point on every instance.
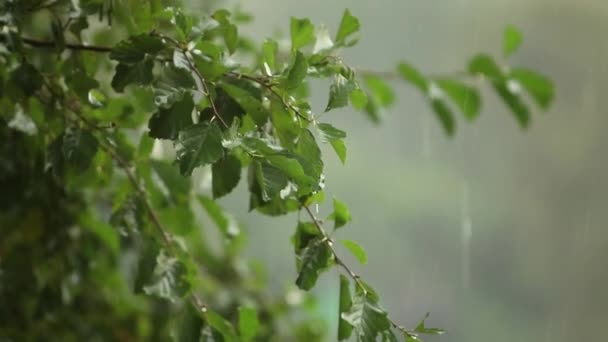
(498, 232)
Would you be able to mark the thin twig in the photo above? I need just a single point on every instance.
(271, 89)
(348, 270)
(330, 245)
(51, 44)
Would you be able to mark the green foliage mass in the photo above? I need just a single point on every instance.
(101, 237)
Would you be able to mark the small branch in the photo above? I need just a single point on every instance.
(395, 76)
(272, 90)
(330, 245)
(205, 89)
(74, 107)
(44, 44)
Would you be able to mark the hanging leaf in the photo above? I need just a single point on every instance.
(340, 215)
(248, 323)
(138, 74)
(226, 174)
(380, 90)
(413, 76)
(345, 303)
(512, 39)
(366, 317)
(356, 250)
(339, 92)
(198, 145)
(422, 329)
(297, 72)
(465, 97)
(445, 116)
(167, 123)
(135, 48)
(315, 258)
(538, 86)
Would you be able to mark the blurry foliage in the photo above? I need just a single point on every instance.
(101, 238)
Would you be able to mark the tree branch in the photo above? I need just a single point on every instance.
(45, 44)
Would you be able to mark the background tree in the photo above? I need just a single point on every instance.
(101, 241)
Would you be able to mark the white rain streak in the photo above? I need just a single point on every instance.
(466, 233)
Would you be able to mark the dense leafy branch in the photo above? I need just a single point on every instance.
(223, 105)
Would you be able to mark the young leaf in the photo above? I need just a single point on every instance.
(269, 52)
(330, 132)
(422, 329)
(297, 72)
(340, 215)
(226, 174)
(537, 85)
(167, 123)
(168, 279)
(198, 145)
(340, 148)
(79, 147)
(358, 98)
(302, 33)
(345, 303)
(348, 26)
(315, 258)
(512, 39)
(356, 250)
(413, 76)
(248, 323)
(464, 96)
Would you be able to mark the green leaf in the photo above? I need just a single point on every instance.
(315, 258)
(340, 215)
(217, 215)
(198, 145)
(309, 157)
(250, 104)
(297, 72)
(226, 174)
(135, 48)
(367, 318)
(231, 37)
(445, 116)
(422, 329)
(345, 303)
(188, 325)
(248, 323)
(380, 90)
(339, 92)
(358, 99)
(348, 26)
(330, 132)
(538, 86)
(79, 147)
(167, 123)
(302, 33)
(222, 326)
(356, 250)
(269, 53)
(305, 233)
(413, 76)
(265, 182)
(515, 103)
(485, 65)
(169, 278)
(340, 148)
(512, 39)
(139, 74)
(464, 96)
